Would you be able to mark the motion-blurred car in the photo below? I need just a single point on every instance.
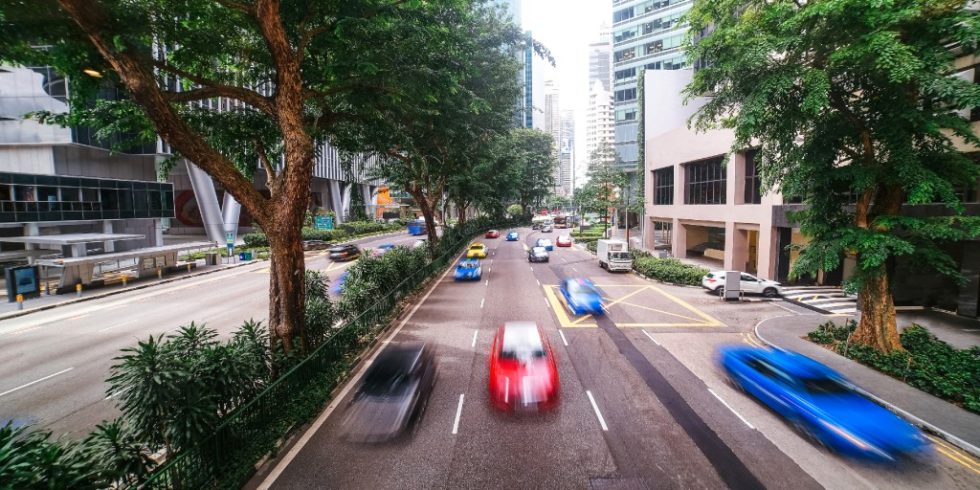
(393, 393)
(581, 296)
(546, 229)
(546, 243)
(382, 249)
(492, 234)
(523, 372)
(342, 253)
(338, 285)
(564, 241)
(537, 254)
(821, 403)
(476, 251)
(468, 270)
(715, 281)
(513, 236)
(420, 243)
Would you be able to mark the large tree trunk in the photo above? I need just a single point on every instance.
(461, 211)
(428, 213)
(287, 289)
(878, 328)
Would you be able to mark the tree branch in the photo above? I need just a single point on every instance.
(264, 159)
(210, 88)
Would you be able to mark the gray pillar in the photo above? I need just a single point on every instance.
(369, 200)
(31, 229)
(108, 245)
(231, 210)
(345, 199)
(207, 202)
(336, 201)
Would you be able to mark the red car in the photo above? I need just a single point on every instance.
(523, 374)
(564, 241)
(492, 234)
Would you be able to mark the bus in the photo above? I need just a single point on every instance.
(418, 227)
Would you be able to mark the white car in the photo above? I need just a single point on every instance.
(715, 281)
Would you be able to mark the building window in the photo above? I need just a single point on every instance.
(626, 115)
(626, 94)
(753, 185)
(663, 186)
(625, 55)
(621, 15)
(625, 74)
(662, 231)
(706, 182)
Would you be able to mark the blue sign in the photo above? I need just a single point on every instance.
(323, 222)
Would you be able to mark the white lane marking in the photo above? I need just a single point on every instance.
(785, 308)
(574, 269)
(459, 411)
(112, 327)
(532, 268)
(475, 332)
(723, 402)
(650, 337)
(116, 394)
(481, 302)
(563, 339)
(491, 261)
(288, 458)
(537, 281)
(489, 270)
(546, 303)
(971, 329)
(488, 282)
(602, 421)
(36, 381)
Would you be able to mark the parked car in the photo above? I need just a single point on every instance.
(393, 393)
(564, 241)
(546, 243)
(715, 281)
(821, 403)
(581, 296)
(523, 373)
(342, 253)
(468, 270)
(492, 234)
(537, 254)
(513, 236)
(476, 251)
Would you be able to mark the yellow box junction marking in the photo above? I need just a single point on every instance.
(558, 305)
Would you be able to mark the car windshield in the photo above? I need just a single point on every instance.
(576, 287)
(476, 247)
(539, 251)
(467, 265)
(825, 386)
(521, 343)
(620, 255)
(390, 375)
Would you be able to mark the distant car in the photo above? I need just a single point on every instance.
(476, 251)
(715, 281)
(546, 229)
(338, 285)
(537, 254)
(393, 393)
(581, 296)
(420, 243)
(821, 403)
(564, 241)
(492, 234)
(537, 226)
(523, 373)
(546, 243)
(342, 253)
(513, 236)
(468, 270)
(382, 249)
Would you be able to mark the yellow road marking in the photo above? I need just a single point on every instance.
(559, 310)
(956, 455)
(707, 318)
(656, 310)
(558, 305)
(261, 271)
(624, 298)
(338, 265)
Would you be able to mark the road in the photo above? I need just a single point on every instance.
(643, 403)
(53, 363)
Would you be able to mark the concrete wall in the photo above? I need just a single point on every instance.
(96, 162)
(26, 159)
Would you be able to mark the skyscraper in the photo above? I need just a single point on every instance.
(552, 126)
(523, 109)
(566, 152)
(600, 53)
(599, 127)
(647, 34)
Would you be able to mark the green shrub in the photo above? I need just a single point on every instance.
(669, 270)
(343, 231)
(253, 240)
(927, 363)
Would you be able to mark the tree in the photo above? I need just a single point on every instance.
(852, 108)
(603, 190)
(533, 163)
(290, 72)
(515, 210)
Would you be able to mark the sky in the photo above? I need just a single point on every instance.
(567, 27)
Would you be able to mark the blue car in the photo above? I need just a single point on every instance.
(513, 236)
(821, 403)
(468, 270)
(546, 243)
(338, 287)
(581, 296)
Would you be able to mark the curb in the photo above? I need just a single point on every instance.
(808, 306)
(916, 421)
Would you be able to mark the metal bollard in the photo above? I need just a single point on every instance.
(20, 301)
(159, 273)
(125, 278)
(78, 290)
(188, 267)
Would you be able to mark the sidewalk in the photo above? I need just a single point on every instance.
(955, 425)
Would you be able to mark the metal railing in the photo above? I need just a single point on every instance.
(227, 458)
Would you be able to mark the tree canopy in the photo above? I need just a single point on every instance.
(854, 110)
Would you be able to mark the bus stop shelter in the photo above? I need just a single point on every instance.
(77, 241)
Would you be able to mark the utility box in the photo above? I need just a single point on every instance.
(22, 280)
(733, 286)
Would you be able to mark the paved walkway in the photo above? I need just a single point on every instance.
(824, 299)
(954, 424)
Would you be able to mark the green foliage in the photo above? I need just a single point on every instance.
(344, 231)
(373, 277)
(30, 460)
(847, 100)
(927, 363)
(515, 210)
(669, 270)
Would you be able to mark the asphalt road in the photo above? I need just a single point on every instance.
(53, 363)
(643, 402)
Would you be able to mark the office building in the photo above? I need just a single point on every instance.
(600, 54)
(647, 34)
(552, 126)
(566, 152)
(599, 125)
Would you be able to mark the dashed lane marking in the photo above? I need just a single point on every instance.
(563, 339)
(650, 337)
(729, 407)
(459, 411)
(598, 414)
(36, 381)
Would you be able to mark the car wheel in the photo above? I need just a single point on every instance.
(720, 291)
(770, 292)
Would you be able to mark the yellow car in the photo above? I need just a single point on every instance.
(476, 251)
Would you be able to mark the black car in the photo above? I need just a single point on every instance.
(536, 226)
(537, 254)
(341, 253)
(393, 394)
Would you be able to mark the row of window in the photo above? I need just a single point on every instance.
(642, 9)
(650, 48)
(625, 94)
(660, 24)
(675, 63)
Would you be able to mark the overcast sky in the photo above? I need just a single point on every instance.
(567, 27)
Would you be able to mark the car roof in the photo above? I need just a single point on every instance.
(396, 359)
(469, 261)
(538, 249)
(520, 335)
(476, 245)
(792, 363)
(386, 245)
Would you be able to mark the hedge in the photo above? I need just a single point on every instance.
(927, 363)
(669, 270)
(343, 231)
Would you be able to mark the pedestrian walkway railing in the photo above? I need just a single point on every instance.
(228, 457)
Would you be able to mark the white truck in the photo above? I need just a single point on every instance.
(614, 255)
